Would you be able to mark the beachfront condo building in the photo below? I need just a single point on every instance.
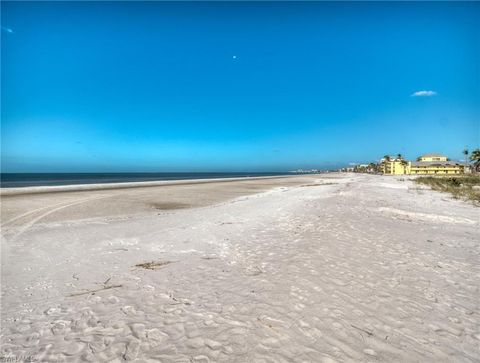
(426, 164)
(394, 166)
(432, 157)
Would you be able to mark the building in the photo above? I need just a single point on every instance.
(432, 157)
(394, 166)
(435, 164)
(436, 167)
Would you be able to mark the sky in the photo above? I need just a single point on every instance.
(235, 86)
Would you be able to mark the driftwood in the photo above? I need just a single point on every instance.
(365, 331)
(94, 291)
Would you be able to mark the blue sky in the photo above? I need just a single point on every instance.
(235, 86)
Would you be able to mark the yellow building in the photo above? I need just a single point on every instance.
(395, 166)
(432, 157)
(426, 164)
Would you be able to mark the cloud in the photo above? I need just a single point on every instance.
(8, 30)
(424, 94)
(352, 164)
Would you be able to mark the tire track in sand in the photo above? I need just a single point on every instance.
(49, 211)
(30, 212)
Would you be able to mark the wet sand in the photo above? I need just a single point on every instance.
(21, 205)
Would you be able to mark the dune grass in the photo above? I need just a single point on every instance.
(460, 186)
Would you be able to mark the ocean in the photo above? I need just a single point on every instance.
(15, 180)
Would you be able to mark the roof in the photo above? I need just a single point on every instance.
(428, 163)
(392, 158)
(433, 155)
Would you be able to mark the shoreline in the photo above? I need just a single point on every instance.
(126, 185)
(42, 204)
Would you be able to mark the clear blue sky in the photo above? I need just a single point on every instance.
(234, 86)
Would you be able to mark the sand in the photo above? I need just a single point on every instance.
(321, 268)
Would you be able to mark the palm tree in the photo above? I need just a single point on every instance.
(373, 167)
(475, 157)
(387, 158)
(399, 156)
(465, 152)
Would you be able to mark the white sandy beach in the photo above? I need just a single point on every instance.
(320, 268)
